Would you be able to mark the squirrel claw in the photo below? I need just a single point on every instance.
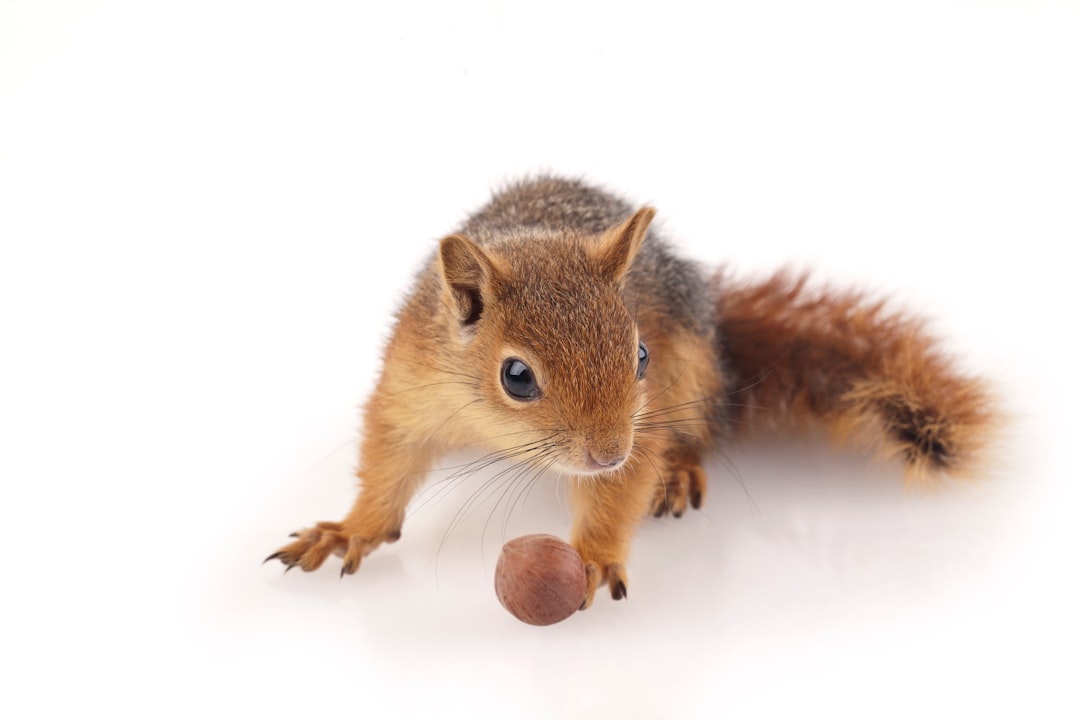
(616, 580)
(614, 575)
(311, 547)
(683, 485)
(593, 577)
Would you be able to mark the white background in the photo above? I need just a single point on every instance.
(210, 209)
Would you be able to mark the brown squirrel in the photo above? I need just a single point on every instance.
(557, 330)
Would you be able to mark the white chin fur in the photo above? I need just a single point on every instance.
(576, 471)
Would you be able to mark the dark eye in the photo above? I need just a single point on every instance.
(642, 359)
(518, 380)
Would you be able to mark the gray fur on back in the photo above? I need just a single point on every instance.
(670, 285)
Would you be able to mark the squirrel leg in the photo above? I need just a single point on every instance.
(390, 475)
(606, 513)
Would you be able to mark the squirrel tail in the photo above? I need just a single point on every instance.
(869, 375)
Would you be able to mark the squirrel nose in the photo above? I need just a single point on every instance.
(603, 460)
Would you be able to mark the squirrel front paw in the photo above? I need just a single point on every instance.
(314, 545)
(684, 482)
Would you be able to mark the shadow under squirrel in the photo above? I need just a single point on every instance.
(555, 329)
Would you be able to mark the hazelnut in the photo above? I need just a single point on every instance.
(540, 579)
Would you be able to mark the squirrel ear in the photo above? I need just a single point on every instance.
(619, 245)
(468, 275)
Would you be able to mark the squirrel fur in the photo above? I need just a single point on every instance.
(556, 329)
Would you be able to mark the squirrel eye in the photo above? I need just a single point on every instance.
(642, 359)
(518, 380)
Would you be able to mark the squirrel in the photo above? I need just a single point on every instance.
(557, 329)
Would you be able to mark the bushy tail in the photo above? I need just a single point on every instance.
(797, 356)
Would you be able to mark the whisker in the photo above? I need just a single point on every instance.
(761, 375)
(669, 385)
(502, 479)
(667, 410)
(671, 429)
(730, 466)
(512, 476)
(505, 480)
(489, 438)
(529, 485)
(446, 420)
(648, 455)
(442, 370)
(520, 483)
(430, 385)
(462, 472)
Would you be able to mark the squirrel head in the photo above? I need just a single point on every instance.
(542, 319)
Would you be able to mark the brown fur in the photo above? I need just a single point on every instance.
(567, 279)
(799, 356)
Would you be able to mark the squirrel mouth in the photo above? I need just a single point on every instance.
(585, 468)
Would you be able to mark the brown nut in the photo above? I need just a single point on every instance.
(540, 579)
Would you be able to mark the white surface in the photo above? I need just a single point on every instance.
(208, 211)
